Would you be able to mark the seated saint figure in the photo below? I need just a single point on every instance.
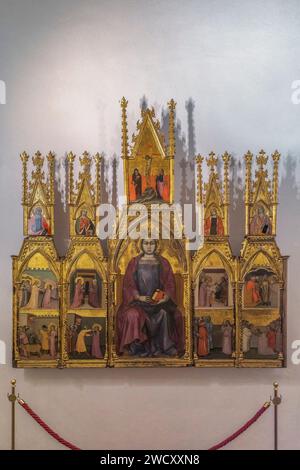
(148, 320)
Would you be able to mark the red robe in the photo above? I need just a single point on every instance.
(131, 318)
(251, 287)
(202, 349)
(271, 335)
(207, 226)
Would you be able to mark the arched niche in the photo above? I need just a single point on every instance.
(37, 310)
(39, 220)
(86, 283)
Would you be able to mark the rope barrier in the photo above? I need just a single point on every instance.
(71, 446)
(233, 436)
(47, 428)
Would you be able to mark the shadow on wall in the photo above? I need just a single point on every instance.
(185, 186)
(61, 189)
(236, 208)
(289, 206)
(184, 168)
(288, 216)
(61, 210)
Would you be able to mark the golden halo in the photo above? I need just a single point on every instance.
(49, 282)
(79, 278)
(97, 325)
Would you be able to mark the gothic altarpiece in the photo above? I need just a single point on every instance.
(148, 300)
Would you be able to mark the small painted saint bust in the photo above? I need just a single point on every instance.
(38, 224)
(261, 223)
(213, 224)
(84, 226)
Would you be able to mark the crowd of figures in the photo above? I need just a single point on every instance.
(43, 342)
(262, 340)
(35, 293)
(256, 340)
(206, 337)
(84, 342)
(213, 293)
(259, 290)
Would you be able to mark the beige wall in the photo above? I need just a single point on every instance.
(66, 64)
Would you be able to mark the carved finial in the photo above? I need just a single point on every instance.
(248, 157)
(24, 157)
(199, 159)
(38, 162)
(71, 157)
(212, 161)
(124, 104)
(172, 139)
(226, 157)
(276, 156)
(85, 162)
(261, 172)
(261, 160)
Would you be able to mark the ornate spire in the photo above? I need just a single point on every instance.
(226, 158)
(71, 158)
(97, 184)
(24, 157)
(172, 139)
(276, 158)
(51, 170)
(84, 193)
(124, 104)
(248, 192)
(38, 192)
(199, 159)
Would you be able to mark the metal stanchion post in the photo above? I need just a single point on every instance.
(12, 398)
(276, 400)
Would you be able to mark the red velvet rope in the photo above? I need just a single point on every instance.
(72, 447)
(243, 428)
(46, 427)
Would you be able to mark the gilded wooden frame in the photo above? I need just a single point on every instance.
(85, 250)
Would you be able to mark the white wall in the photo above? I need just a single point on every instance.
(66, 64)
